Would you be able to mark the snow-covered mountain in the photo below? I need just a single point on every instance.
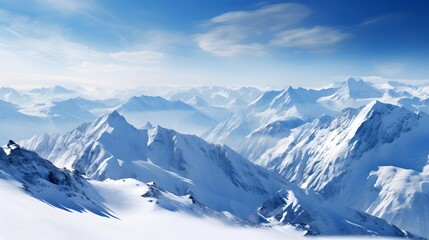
(255, 144)
(55, 91)
(272, 106)
(55, 117)
(68, 111)
(111, 148)
(231, 99)
(213, 177)
(374, 158)
(306, 104)
(12, 95)
(172, 114)
(15, 124)
(351, 93)
(216, 113)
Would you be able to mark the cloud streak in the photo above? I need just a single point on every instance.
(35, 47)
(308, 37)
(254, 32)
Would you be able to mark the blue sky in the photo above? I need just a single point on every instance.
(128, 43)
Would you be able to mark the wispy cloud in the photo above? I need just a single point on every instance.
(36, 47)
(252, 32)
(374, 20)
(268, 17)
(308, 37)
(228, 41)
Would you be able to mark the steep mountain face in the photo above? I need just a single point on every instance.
(270, 107)
(213, 178)
(171, 114)
(42, 180)
(363, 157)
(298, 209)
(256, 143)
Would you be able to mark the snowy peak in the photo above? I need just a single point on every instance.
(288, 96)
(108, 123)
(276, 99)
(172, 114)
(55, 90)
(291, 102)
(231, 99)
(151, 103)
(278, 127)
(351, 93)
(383, 124)
(176, 162)
(198, 102)
(264, 100)
(272, 106)
(359, 89)
(114, 118)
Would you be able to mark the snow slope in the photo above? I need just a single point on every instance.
(373, 158)
(24, 217)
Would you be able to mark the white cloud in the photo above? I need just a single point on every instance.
(31, 47)
(252, 32)
(308, 37)
(270, 17)
(226, 41)
(374, 20)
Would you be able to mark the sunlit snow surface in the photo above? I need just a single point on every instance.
(23, 217)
